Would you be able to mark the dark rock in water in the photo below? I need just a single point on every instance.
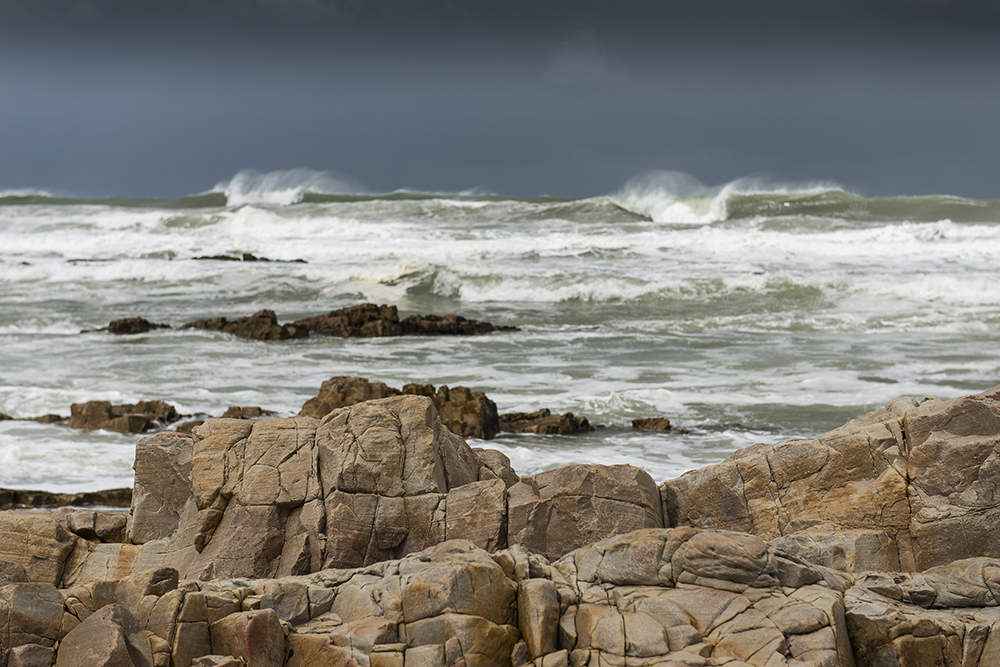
(247, 257)
(660, 424)
(245, 412)
(544, 422)
(447, 325)
(49, 419)
(129, 326)
(5, 417)
(368, 320)
(26, 498)
(262, 325)
(652, 423)
(128, 418)
(364, 320)
(468, 413)
(465, 412)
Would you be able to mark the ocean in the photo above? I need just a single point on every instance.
(745, 313)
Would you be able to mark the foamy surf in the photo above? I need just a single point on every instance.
(743, 312)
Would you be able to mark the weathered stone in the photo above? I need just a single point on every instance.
(478, 512)
(34, 614)
(848, 550)
(467, 413)
(126, 418)
(653, 424)
(31, 655)
(341, 392)
(20, 498)
(162, 485)
(496, 465)
(451, 325)
(538, 616)
(36, 542)
(12, 573)
(393, 447)
(262, 325)
(255, 636)
(560, 510)
(131, 326)
(464, 412)
(108, 638)
(544, 422)
(364, 320)
(245, 412)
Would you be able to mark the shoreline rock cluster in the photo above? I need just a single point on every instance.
(470, 414)
(376, 537)
(365, 320)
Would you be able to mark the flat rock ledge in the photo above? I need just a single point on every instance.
(374, 536)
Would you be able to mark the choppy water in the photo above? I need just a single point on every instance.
(745, 315)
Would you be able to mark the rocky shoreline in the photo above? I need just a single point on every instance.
(373, 535)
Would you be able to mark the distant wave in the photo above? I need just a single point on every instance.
(286, 187)
(658, 196)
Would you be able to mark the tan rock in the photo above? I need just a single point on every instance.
(255, 636)
(560, 510)
(343, 391)
(34, 614)
(478, 512)
(36, 542)
(162, 485)
(538, 616)
(110, 637)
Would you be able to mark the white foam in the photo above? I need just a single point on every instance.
(284, 187)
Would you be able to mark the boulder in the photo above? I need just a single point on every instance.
(467, 413)
(245, 412)
(559, 510)
(108, 638)
(262, 325)
(544, 422)
(11, 573)
(31, 614)
(342, 391)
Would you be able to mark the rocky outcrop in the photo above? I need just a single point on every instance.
(464, 412)
(127, 418)
(365, 320)
(262, 325)
(544, 422)
(914, 484)
(375, 536)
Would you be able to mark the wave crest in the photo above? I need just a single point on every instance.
(284, 187)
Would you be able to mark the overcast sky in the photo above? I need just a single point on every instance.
(515, 97)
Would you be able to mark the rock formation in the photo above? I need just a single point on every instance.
(376, 537)
(909, 487)
(262, 325)
(128, 418)
(544, 422)
(464, 412)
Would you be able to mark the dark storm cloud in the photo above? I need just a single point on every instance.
(166, 98)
